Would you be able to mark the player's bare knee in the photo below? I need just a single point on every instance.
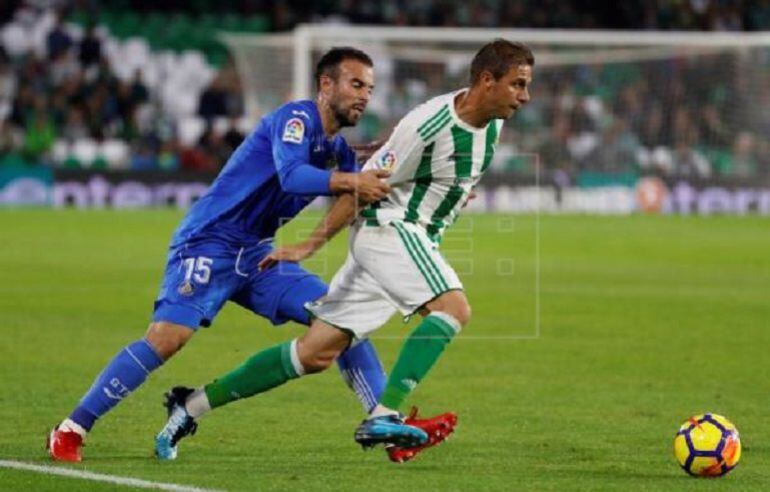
(453, 303)
(461, 312)
(167, 338)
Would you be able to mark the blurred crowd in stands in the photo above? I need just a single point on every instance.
(724, 15)
(699, 116)
(69, 101)
(66, 105)
(696, 115)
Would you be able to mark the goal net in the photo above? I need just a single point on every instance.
(692, 105)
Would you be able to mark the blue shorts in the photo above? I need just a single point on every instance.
(202, 275)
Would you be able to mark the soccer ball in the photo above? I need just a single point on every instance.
(707, 446)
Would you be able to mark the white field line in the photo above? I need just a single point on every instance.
(99, 477)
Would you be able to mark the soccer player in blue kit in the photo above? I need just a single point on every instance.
(214, 253)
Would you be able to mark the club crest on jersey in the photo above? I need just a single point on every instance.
(186, 289)
(387, 160)
(294, 131)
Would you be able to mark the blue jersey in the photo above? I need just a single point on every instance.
(278, 169)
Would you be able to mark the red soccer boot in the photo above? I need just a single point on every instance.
(64, 445)
(438, 429)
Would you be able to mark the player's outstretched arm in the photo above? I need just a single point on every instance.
(291, 147)
(304, 179)
(340, 214)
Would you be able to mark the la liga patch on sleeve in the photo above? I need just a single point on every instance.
(294, 131)
(387, 160)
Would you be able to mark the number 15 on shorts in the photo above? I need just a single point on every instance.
(198, 269)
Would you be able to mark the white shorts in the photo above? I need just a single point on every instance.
(389, 268)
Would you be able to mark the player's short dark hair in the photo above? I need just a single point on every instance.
(329, 64)
(498, 56)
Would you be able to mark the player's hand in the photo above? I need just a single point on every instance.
(370, 187)
(471, 196)
(293, 252)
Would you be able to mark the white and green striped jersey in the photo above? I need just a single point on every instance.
(435, 159)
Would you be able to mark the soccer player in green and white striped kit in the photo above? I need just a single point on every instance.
(436, 155)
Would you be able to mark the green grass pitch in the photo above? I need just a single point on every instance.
(643, 321)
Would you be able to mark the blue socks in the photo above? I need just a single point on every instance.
(126, 372)
(362, 371)
(359, 365)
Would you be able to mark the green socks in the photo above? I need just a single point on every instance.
(276, 365)
(418, 354)
(263, 371)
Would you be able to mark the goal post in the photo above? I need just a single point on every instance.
(607, 106)
(308, 37)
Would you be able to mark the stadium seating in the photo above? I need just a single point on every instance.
(190, 129)
(115, 152)
(176, 55)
